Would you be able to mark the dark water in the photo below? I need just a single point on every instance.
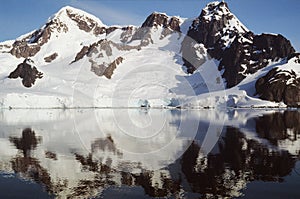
(138, 153)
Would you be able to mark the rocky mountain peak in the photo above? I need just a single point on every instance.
(83, 20)
(215, 23)
(226, 39)
(67, 20)
(216, 28)
(73, 37)
(156, 19)
(66, 13)
(215, 8)
(161, 19)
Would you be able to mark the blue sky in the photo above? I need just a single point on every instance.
(18, 17)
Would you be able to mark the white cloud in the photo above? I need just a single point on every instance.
(108, 15)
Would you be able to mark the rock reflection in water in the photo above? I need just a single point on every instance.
(27, 142)
(29, 167)
(279, 126)
(237, 159)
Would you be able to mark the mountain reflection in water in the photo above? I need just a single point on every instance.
(89, 158)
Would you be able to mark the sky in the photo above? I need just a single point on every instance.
(18, 17)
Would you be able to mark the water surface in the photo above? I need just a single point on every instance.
(147, 153)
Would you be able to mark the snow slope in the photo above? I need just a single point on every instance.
(150, 73)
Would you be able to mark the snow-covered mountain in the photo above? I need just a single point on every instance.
(74, 60)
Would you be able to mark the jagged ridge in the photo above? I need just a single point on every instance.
(239, 51)
(215, 36)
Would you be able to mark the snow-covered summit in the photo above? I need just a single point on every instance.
(64, 13)
(138, 66)
(223, 21)
(219, 11)
(216, 28)
(61, 36)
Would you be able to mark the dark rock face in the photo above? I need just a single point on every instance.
(279, 85)
(212, 32)
(50, 58)
(89, 25)
(249, 53)
(234, 61)
(273, 46)
(111, 67)
(99, 30)
(169, 24)
(105, 46)
(174, 24)
(156, 19)
(100, 49)
(159, 19)
(50, 155)
(5, 46)
(127, 34)
(239, 51)
(27, 73)
(104, 70)
(110, 30)
(102, 44)
(82, 53)
(85, 23)
(206, 31)
(31, 45)
(22, 49)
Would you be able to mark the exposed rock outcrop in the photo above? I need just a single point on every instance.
(31, 45)
(102, 49)
(127, 33)
(214, 29)
(160, 19)
(4, 48)
(226, 39)
(155, 20)
(279, 85)
(22, 49)
(249, 53)
(81, 53)
(273, 46)
(27, 73)
(50, 58)
(86, 23)
(111, 67)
